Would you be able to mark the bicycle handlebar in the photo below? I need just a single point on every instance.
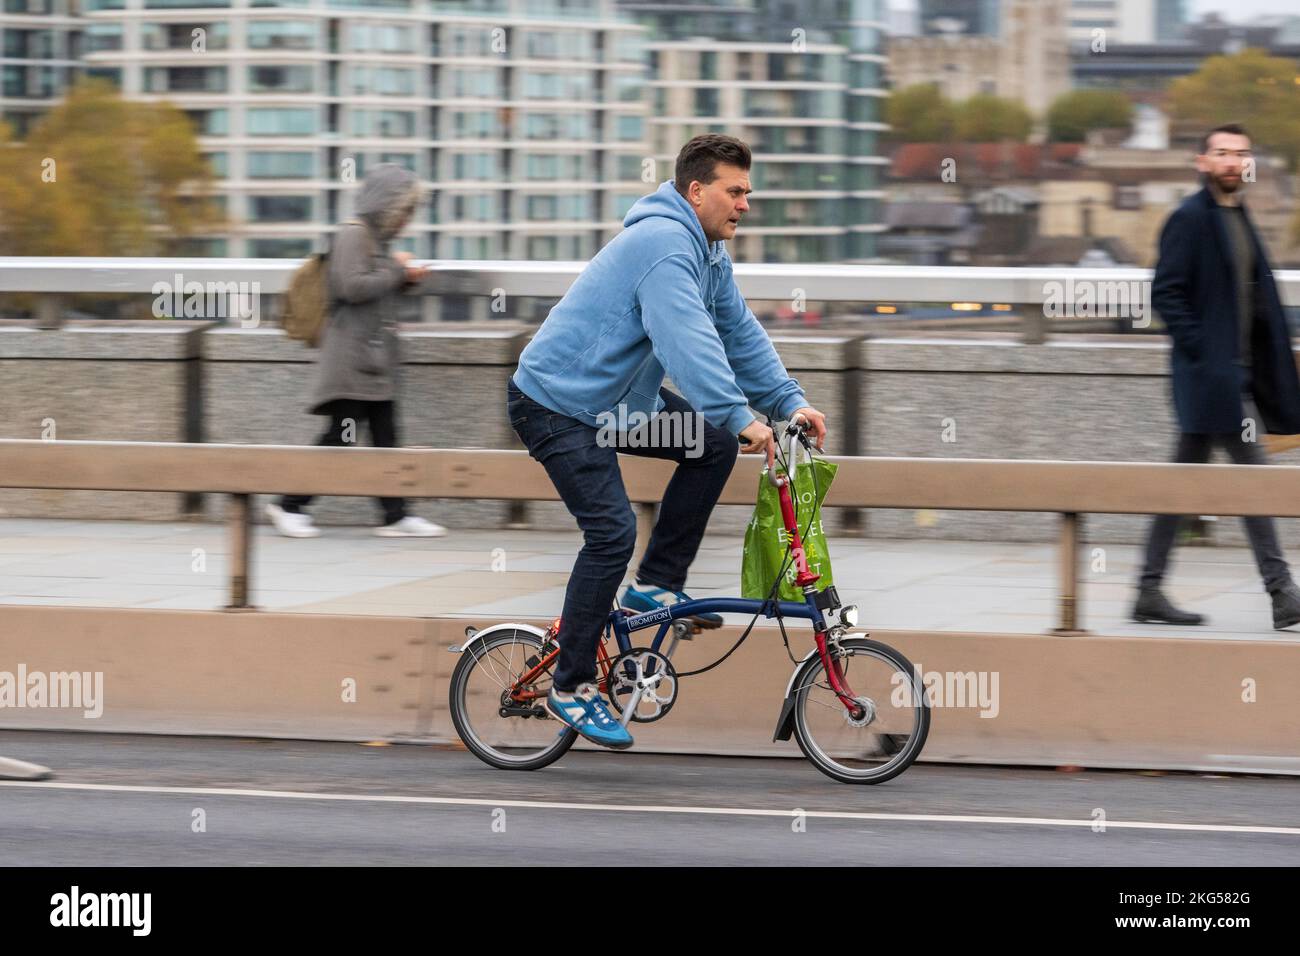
(797, 430)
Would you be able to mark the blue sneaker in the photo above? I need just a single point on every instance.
(645, 599)
(585, 712)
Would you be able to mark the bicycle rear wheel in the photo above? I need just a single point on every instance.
(527, 738)
(886, 739)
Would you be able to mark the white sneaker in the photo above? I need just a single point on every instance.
(412, 526)
(291, 525)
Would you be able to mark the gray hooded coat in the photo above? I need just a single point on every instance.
(360, 351)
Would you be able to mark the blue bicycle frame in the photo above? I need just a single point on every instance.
(623, 625)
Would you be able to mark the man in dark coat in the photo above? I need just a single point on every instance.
(1234, 374)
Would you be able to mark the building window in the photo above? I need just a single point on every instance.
(100, 37)
(195, 37)
(281, 35)
(217, 162)
(112, 74)
(279, 248)
(386, 124)
(280, 208)
(381, 38)
(269, 121)
(475, 124)
(706, 101)
(474, 166)
(474, 84)
(281, 165)
(279, 78)
(630, 129)
(552, 126)
(558, 86)
(185, 79)
(210, 122)
(1128, 197)
(382, 81)
(181, 4)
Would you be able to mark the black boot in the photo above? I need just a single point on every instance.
(1153, 607)
(1286, 606)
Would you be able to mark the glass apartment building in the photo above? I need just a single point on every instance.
(802, 83)
(526, 118)
(40, 42)
(1127, 21)
(976, 17)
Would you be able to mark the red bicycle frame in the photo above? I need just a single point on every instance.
(804, 578)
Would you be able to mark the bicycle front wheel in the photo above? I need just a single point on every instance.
(507, 733)
(885, 738)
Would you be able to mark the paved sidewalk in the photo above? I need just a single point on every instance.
(495, 574)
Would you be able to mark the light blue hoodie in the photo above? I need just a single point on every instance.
(657, 297)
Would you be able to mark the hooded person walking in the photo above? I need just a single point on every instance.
(360, 353)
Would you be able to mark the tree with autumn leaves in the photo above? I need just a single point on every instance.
(100, 175)
(1259, 91)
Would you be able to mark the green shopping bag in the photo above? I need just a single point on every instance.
(766, 541)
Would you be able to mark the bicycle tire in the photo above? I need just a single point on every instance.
(472, 656)
(805, 680)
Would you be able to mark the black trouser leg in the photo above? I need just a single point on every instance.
(343, 413)
(383, 434)
(1259, 529)
(1192, 449)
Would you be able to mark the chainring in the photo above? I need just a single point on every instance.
(653, 673)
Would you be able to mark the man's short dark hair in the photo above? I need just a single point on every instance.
(1236, 129)
(699, 159)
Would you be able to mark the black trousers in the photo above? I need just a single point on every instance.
(1195, 449)
(346, 416)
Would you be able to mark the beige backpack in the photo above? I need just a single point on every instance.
(307, 300)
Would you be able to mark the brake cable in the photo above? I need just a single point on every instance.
(773, 594)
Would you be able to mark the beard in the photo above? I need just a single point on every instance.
(1227, 184)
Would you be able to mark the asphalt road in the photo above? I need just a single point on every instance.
(189, 801)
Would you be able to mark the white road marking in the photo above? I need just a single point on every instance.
(651, 808)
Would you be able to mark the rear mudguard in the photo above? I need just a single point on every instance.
(489, 631)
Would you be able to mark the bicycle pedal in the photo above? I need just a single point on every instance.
(699, 624)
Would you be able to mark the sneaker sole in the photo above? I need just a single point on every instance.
(706, 624)
(599, 743)
(1145, 619)
(313, 533)
(381, 533)
(1280, 625)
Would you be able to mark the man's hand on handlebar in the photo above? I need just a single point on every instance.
(816, 424)
(755, 438)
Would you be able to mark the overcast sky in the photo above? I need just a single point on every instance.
(1229, 9)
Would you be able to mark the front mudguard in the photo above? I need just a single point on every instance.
(785, 722)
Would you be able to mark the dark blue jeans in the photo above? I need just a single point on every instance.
(582, 462)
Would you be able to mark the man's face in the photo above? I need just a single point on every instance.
(721, 204)
(1225, 160)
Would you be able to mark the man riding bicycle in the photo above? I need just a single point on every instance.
(660, 296)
